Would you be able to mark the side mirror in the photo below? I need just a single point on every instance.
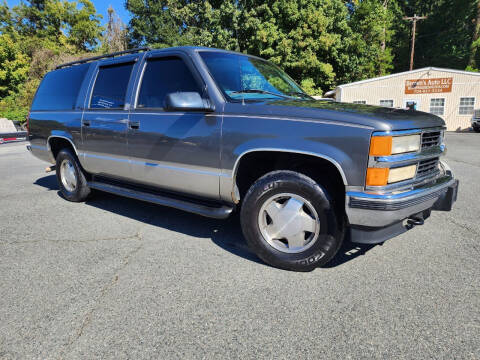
(186, 101)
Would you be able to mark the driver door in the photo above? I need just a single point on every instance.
(174, 150)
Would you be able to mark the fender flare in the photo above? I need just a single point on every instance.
(61, 135)
(321, 156)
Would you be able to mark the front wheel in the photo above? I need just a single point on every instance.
(290, 222)
(71, 178)
(476, 128)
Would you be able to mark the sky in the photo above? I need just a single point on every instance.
(101, 6)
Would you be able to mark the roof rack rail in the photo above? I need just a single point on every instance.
(111, 55)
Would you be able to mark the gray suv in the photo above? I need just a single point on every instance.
(211, 131)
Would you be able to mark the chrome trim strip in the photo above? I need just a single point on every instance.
(406, 159)
(154, 164)
(104, 157)
(404, 185)
(328, 158)
(443, 181)
(177, 168)
(407, 132)
(43, 148)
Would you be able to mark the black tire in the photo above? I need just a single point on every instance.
(331, 232)
(81, 190)
(476, 129)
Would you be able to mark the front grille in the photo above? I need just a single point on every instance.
(427, 167)
(430, 139)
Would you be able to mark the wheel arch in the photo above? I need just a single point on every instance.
(56, 142)
(237, 192)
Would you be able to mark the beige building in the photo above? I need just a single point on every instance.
(450, 94)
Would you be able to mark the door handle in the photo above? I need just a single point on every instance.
(135, 125)
(86, 122)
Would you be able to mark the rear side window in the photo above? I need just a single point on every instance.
(111, 86)
(164, 76)
(59, 89)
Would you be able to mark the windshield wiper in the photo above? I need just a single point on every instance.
(301, 94)
(259, 91)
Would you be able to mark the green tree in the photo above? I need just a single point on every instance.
(372, 24)
(311, 40)
(54, 24)
(14, 66)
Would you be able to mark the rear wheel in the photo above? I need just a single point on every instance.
(476, 128)
(71, 178)
(289, 221)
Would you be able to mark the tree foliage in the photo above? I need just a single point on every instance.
(35, 36)
(320, 43)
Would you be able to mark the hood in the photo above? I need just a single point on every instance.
(376, 117)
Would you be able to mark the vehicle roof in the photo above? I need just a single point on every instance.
(130, 52)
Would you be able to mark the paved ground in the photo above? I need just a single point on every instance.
(117, 278)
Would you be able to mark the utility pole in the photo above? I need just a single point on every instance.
(414, 20)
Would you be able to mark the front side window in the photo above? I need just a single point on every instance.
(110, 87)
(466, 105)
(386, 103)
(161, 77)
(241, 77)
(437, 106)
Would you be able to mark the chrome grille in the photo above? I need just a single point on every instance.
(432, 138)
(427, 167)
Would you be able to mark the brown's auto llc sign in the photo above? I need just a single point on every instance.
(428, 86)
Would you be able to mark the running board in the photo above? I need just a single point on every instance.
(221, 212)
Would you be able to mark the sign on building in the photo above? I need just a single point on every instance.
(428, 86)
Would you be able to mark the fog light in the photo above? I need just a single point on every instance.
(402, 173)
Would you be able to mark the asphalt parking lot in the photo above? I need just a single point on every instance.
(118, 278)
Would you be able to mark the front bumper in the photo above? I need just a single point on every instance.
(377, 217)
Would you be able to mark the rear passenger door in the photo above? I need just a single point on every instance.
(105, 119)
(175, 150)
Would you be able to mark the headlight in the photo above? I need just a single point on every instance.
(385, 176)
(404, 144)
(392, 145)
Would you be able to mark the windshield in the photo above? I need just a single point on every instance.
(241, 77)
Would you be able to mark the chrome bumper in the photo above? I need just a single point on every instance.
(380, 210)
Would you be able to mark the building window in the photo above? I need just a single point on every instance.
(437, 106)
(466, 105)
(386, 103)
(359, 102)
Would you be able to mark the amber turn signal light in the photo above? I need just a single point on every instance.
(381, 146)
(377, 176)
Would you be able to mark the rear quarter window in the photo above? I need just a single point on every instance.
(59, 89)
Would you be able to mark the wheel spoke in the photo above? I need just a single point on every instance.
(272, 210)
(308, 223)
(297, 240)
(293, 206)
